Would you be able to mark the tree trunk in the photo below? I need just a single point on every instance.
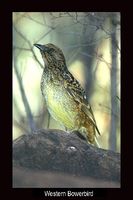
(113, 74)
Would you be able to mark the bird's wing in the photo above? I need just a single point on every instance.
(89, 113)
(75, 90)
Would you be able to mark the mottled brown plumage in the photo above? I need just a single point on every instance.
(65, 98)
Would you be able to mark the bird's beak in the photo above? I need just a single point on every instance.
(41, 47)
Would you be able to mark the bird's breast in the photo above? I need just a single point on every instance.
(61, 106)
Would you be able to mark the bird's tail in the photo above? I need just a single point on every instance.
(88, 132)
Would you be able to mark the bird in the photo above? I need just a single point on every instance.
(65, 99)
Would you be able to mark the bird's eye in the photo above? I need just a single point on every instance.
(50, 50)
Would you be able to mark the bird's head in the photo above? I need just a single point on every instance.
(51, 54)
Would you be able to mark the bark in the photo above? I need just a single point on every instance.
(52, 152)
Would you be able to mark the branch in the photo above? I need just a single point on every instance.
(56, 151)
(30, 46)
(25, 101)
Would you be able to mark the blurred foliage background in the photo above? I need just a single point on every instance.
(91, 44)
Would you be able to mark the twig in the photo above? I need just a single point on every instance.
(25, 130)
(48, 124)
(30, 46)
(34, 20)
(44, 35)
(25, 101)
